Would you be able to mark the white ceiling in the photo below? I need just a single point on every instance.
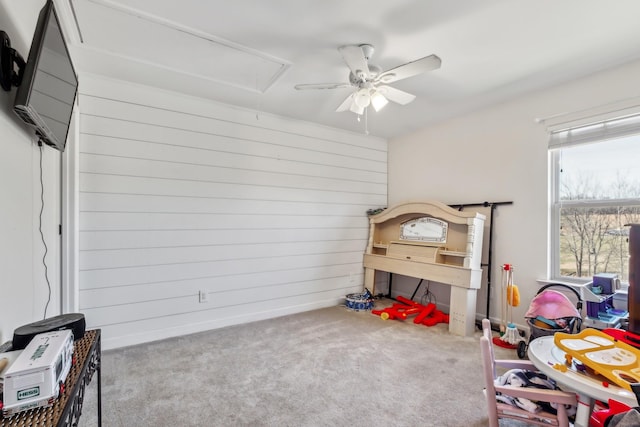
(252, 53)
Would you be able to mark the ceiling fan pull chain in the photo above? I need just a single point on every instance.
(366, 121)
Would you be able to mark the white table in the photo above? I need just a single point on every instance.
(544, 354)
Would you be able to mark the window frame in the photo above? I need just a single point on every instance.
(561, 138)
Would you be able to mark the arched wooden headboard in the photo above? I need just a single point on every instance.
(431, 241)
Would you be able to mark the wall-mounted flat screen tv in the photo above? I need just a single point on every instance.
(46, 96)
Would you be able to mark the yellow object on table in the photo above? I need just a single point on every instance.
(615, 360)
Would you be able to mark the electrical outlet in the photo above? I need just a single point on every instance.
(203, 296)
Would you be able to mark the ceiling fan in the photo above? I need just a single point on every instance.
(370, 83)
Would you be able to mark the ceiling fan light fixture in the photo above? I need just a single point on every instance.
(355, 108)
(369, 84)
(378, 101)
(362, 98)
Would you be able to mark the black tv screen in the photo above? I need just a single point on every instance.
(45, 98)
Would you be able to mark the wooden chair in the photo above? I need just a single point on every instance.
(498, 410)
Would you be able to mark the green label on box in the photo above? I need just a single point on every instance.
(28, 392)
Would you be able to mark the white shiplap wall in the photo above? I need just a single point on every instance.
(179, 195)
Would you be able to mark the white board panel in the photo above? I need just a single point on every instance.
(104, 136)
(97, 278)
(170, 169)
(141, 148)
(92, 240)
(126, 92)
(236, 299)
(191, 221)
(178, 196)
(215, 289)
(96, 183)
(114, 202)
(171, 119)
(113, 295)
(117, 258)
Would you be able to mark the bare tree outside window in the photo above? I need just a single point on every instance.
(599, 193)
(594, 240)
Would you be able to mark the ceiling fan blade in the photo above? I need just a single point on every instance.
(322, 86)
(354, 57)
(410, 69)
(345, 104)
(396, 95)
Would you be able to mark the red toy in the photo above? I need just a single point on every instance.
(427, 315)
(626, 337)
(437, 317)
(600, 416)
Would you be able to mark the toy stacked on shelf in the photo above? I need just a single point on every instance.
(599, 297)
(427, 315)
(37, 377)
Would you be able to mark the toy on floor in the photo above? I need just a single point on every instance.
(427, 315)
(361, 301)
(509, 335)
(551, 311)
(603, 416)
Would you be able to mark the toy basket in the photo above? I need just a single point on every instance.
(361, 301)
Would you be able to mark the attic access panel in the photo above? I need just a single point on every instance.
(111, 26)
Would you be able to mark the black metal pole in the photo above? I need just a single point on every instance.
(390, 283)
(492, 206)
(460, 206)
(416, 290)
(489, 261)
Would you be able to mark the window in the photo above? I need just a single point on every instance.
(595, 191)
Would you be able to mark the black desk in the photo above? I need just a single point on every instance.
(68, 407)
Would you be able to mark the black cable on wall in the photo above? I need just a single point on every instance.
(44, 243)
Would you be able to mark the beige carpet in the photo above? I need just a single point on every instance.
(328, 367)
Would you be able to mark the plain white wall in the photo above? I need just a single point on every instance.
(499, 154)
(23, 289)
